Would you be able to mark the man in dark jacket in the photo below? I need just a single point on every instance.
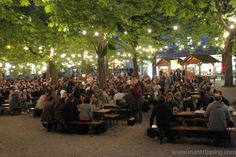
(70, 110)
(162, 112)
(203, 101)
(14, 101)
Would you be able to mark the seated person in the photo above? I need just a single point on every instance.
(203, 100)
(178, 100)
(170, 101)
(86, 110)
(96, 103)
(224, 100)
(218, 118)
(188, 102)
(119, 98)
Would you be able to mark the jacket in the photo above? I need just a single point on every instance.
(218, 116)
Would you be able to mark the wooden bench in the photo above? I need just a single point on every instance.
(196, 128)
(112, 118)
(197, 131)
(90, 124)
(4, 109)
(189, 128)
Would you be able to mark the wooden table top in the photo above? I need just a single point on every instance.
(186, 113)
(103, 110)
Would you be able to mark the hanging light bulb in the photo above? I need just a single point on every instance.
(96, 34)
(84, 32)
(149, 30)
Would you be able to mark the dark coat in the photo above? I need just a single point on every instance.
(203, 102)
(14, 101)
(48, 112)
(70, 112)
(188, 103)
(162, 113)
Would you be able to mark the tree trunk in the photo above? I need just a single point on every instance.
(135, 59)
(101, 52)
(154, 66)
(227, 61)
(106, 67)
(101, 73)
(52, 72)
(83, 65)
(135, 64)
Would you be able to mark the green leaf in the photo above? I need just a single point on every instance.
(48, 9)
(24, 2)
(111, 46)
(120, 27)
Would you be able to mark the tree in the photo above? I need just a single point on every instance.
(26, 37)
(208, 17)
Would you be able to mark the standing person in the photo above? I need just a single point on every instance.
(14, 101)
(70, 111)
(138, 98)
(218, 118)
(48, 113)
(163, 113)
(59, 109)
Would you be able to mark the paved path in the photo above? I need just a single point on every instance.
(228, 92)
(23, 136)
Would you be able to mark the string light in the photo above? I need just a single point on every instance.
(175, 28)
(222, 46)
(26, 48)
(63, 55)
(8, 46)
(125, 33)
(232, 26)
(96, 34)
(40, 48)
(84, 32)
(226, 34)
(149, 30)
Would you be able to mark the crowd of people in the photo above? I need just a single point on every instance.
(76, 98)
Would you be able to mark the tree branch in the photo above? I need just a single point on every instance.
(31, 50)
(219, 14)
(185, 6)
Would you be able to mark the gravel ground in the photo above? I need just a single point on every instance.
(23, 136)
